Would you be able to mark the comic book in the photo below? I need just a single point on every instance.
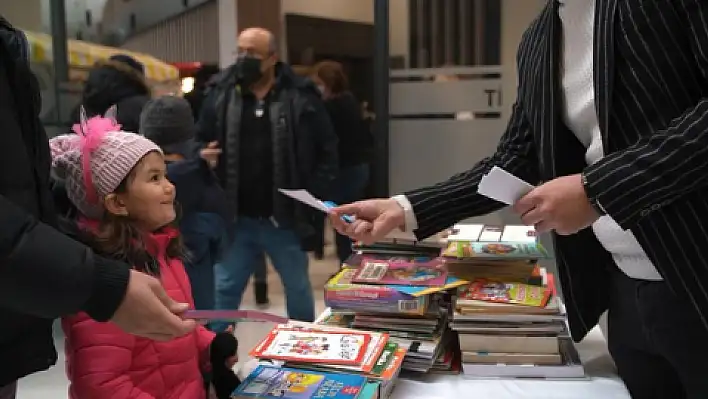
(508, 293)
(329, 347)
(402, 271)
(281, 382)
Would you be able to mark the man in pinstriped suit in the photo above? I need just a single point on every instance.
(611, 123)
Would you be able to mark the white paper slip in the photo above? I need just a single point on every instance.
(306, 198)
(502, 186)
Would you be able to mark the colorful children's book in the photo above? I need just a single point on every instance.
(330, 347)
(401, 271)
(341, 293)
(373, 352)
(274, 382)
(509, 293)
(494, 242)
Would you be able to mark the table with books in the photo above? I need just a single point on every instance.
(461, 315)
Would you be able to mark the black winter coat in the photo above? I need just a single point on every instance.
(43, 273)
(114, 83)
(305, 152)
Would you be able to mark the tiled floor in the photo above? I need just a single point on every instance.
(52, 384)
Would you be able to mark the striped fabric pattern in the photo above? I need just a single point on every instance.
(651, 84)
(111, 163)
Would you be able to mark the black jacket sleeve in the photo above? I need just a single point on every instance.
(47, 274)
(206, 124)
(326, 143)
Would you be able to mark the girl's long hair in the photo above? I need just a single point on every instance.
(118, 238)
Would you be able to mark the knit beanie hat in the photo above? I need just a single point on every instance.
(168, 122)
(94, 161)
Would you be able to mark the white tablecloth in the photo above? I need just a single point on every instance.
(603, 383)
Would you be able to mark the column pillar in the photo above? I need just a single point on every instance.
(228, 31)
(382, 67)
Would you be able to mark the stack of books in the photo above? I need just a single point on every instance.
(311, 361)
(509, 318)
(400, 287)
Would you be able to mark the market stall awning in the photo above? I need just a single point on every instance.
(84, 55)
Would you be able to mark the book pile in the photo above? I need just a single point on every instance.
(509, 318)
(400, 287)
(311, 361)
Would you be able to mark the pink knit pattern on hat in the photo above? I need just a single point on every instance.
(109, 157)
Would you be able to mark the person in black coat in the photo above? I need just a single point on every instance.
(118, 81)
(45, 274)
(273, 133)
(356, 143)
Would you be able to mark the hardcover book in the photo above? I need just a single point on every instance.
(274, 382)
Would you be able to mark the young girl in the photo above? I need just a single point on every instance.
(116, 180)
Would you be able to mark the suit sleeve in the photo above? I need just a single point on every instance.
(326, 147)
(47, 274)
(439, 206)
(100, 356)
(667, 164)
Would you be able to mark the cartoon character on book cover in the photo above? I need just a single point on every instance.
(305, 346)
(275, 382)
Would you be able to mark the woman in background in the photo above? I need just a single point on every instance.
(355, 140)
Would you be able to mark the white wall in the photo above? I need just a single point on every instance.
(516, 16)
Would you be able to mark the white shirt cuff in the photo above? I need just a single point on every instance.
(411, 221)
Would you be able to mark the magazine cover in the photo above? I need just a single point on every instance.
(511, 293)
(274, 382)
(331, 347)
(402, 271)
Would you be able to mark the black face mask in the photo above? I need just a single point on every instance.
(249, 70)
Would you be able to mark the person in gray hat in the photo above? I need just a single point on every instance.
(168, 122)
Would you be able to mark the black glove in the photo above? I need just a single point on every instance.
(225, 381)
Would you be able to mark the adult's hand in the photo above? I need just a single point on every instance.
(211, 153)
(148, 311)
(560, 204)
(374, 219)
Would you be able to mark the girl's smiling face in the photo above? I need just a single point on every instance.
(148, 197)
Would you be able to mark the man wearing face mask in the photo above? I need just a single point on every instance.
(266, 128)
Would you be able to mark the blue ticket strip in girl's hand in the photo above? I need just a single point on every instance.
(331, 205)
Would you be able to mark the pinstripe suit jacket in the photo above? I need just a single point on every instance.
(651, 85)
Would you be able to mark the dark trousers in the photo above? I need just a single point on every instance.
(657, 340)
(260, 270)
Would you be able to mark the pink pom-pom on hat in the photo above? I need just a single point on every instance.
(96, 159)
